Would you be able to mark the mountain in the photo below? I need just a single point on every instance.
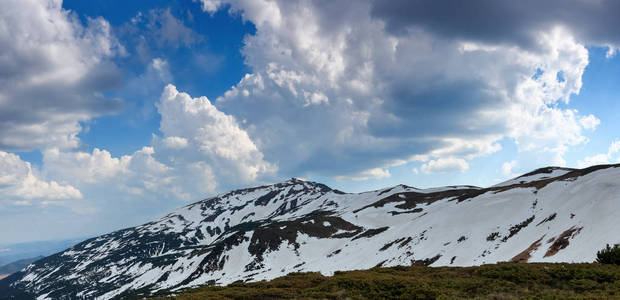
(549, 215)
(13, 252)
(17, 265)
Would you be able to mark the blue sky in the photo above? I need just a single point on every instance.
(116, 112)
(220, 38)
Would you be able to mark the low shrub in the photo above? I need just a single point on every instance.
(498, 281)
(609, 255)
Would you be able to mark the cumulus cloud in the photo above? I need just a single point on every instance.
(508, 22)
(209, 135)
(53, 70)
(126, 176)
(82, 166)
(399, 89)
(21, 185)
(148, 33)
(376, 173)
(602, 158)
(507, 169)
(589, 122)
(449, 164)
(175, 142)
(202, 149)
(165, 29)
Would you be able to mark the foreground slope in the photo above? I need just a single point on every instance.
(497, 281)
(549, 215)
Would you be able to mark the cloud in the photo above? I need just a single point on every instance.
(392, 94)
(175, 142)
(127, 176)
(589, 122)
(211, 135)
(503, 22)
(507, 169)
(201, 150)
(53, 70)
(449, 164)
(165, 29)
(21, 185)
(81, 167)
(376, 173)
(602, 158)
(147, 34)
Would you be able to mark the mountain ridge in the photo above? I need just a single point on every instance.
(550, 214)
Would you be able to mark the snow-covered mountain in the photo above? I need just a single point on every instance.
(549, 215)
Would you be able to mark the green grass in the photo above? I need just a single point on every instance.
(500, 281)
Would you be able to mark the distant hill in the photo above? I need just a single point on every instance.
(18, 265)
(13, 252)
(260, 233)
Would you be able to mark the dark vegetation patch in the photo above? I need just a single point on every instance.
(334, 253)
(609, 255)
(426, 262)
(498, 281)
(264, 199)
(493, 236)
(390, 189)
(412, 199)
(270, 236)
(266, 236)
(413, 211)
(385, 191)
(461, 239)
(405, 242)
(388, 245)
(379, 265)
(248, 216)
(545, 170)
(371, 232)
(525, 255)
(562, 241)
(548, 219)
(516, 228)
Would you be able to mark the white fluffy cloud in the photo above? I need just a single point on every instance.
(21, 185)
(127, 176)
(507, 169)
(449, 164)
(391, 96)
(53, 70)
(612, 156)
(207, 134)
(201, 149)
(376, 173)
(589, 122)
(83, 167)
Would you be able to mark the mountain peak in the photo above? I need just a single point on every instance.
(303, 226)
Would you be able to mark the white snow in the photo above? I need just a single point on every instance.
(458, 233)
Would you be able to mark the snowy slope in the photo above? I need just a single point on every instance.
(549, 215)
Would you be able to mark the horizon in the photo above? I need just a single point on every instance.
(115, 113)
(82, 238)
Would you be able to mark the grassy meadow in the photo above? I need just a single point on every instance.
(498, 281)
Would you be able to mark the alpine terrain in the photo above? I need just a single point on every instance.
(549, 215)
